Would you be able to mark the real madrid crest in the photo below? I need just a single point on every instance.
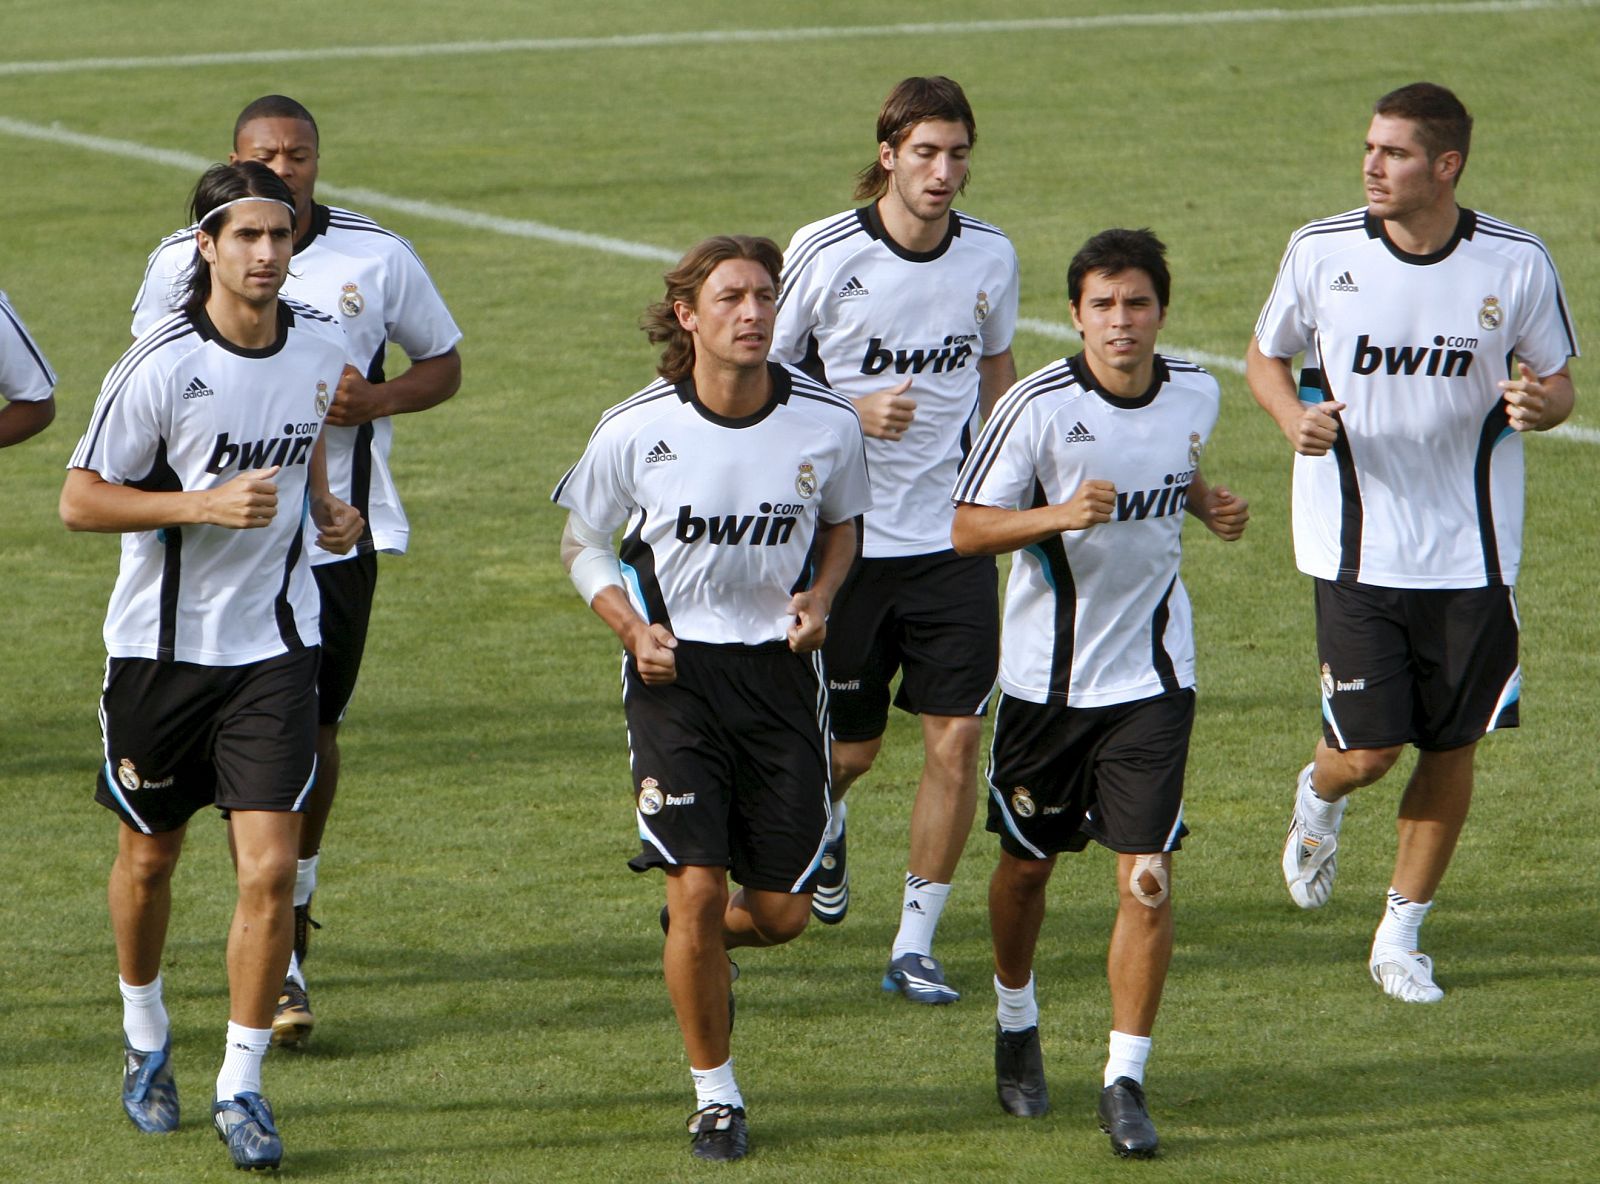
(1194, 450)
(127, 774)
(322, 398)
(650, 799)
(1327, 681)
(350, 301)
(1022, 804)
(980, 311)
(805, 481)
(1491, 314)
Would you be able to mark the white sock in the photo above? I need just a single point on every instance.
(1401, 920)
(836, 823)
(241, 1061)
(1016, 1010)
(144, 1015)
(305, 879)
(1321, 814)
(1128, 1056)
(919, 916)
(295, 972)
(715, 1087)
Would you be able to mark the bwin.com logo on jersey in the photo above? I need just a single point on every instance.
(771, 527)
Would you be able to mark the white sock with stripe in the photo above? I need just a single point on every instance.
(919, 916)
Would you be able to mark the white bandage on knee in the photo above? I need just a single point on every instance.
(590, 561)
(1156, 865)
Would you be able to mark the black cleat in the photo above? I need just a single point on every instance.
(720, 1133)
(1124, 1117)
(292, 1021)
(1019, 1073)
(830, 901)
(733, 970)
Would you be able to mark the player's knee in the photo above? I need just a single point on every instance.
(267, 874)
(148, 869)
(1366, 765)
(787, 926)
(1150, 882)
(852, 759)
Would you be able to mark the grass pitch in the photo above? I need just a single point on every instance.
(488, 984)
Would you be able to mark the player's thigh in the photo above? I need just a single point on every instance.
(1367, 678)
(949, 635)
(265, 747)
(1139, 764)
(347, 589)
(157, 721)
(1468, 674)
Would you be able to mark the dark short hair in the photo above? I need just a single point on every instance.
(660, 321)
(1443, 123)
(1112, 251)
(914, 101)
(275, 107)
(218, 185)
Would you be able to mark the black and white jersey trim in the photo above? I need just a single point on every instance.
(27, 343)
(803, 254)
(1005, 416)
(173, 328)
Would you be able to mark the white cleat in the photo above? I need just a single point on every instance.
(1309, 856)
(1404, 974)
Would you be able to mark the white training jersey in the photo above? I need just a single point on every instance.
(721, 514)
(1098, 616)
(25, 377)
(861, 313)
(185, 409)
(373, 283)
(1423, 488)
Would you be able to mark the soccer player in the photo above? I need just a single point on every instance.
(1407, 421)
(371, 282)
(740, 484)
(204, 452)
(907, 306)
(27, 384)
(1084, 471)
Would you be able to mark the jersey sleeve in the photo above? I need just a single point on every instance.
(164, 275)
(419, 322)
(848, 492)
(25, 376)
(599, 487)
(797, 307)
(1546, 340)
(1001, 469)
(1001, 324)
(127, 429)
(1286, 325)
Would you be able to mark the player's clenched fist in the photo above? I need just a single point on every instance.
(1092, 503)
(248, 501)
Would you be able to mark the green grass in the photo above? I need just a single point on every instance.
(488, 983)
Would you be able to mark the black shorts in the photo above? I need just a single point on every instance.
(730, 763)
(180, 737)
(1060, 776)
(1434, 667)
(935, 618)
(347, 588)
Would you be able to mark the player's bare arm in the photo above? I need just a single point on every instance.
(1310, 427)
(426, 384)
(886, 414)
(836, 549)
(650, 645)
(1223, 512)
(90, 502)
(997, 374)
(23, 419)
(339, 524)
(1535, 404)
(991, 530)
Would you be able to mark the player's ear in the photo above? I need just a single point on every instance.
(1448, 166)
(685, 314)
(886, 156)
(1076, 323)
(206, 245)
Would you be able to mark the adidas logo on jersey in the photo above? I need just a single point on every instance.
(953, 356)
(1079, 434)
(854, 288)
(771, 527)
(197, 390)
(1344, 283)
(659, 453)
(1449, 357)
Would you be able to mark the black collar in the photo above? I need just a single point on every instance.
(782, 385)
(1466, 225)
(872, 223)
(1085, 376)
(209, 332)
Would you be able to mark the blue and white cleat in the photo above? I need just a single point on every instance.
(149, 1094)
(245, 1124)
(920, 978)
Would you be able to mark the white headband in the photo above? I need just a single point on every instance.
(228, 205)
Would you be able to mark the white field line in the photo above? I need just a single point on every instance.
(1121, 20)
(525, 228)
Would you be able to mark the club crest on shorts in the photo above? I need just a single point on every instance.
(1022, 803)
(805, 481)
(650, 797)
(350, 301)
(1195, 448)
(980, 311)
(322, 398)
(128, 775)
(1327, 681)
(1491, 315)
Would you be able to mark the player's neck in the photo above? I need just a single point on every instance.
(908, 230)
(1425, 231)
(732, 391)
(1123, 384)
(241, 323)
